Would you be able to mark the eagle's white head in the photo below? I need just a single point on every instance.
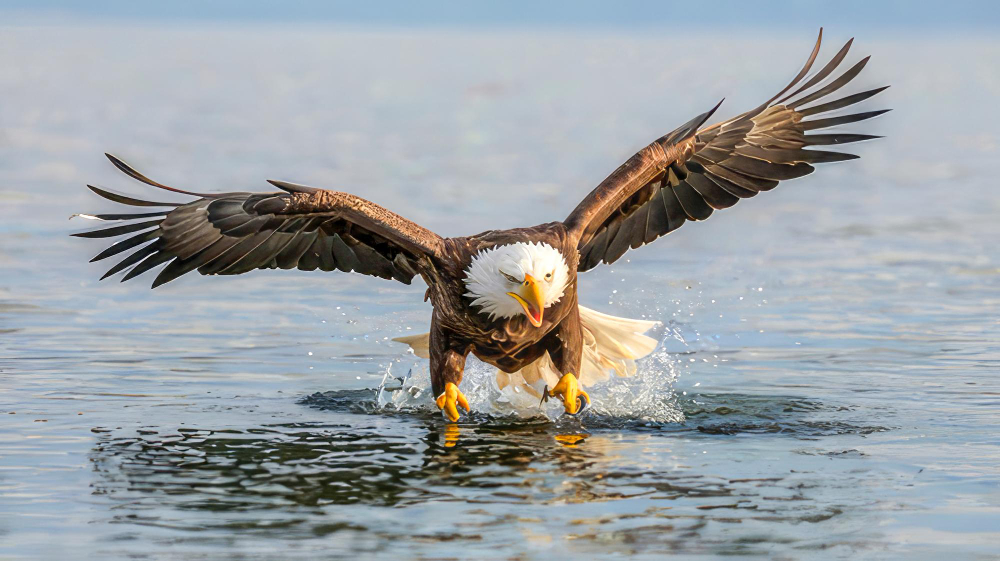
(520, 278)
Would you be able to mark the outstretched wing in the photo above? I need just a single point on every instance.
(232, 233)
(689, 173)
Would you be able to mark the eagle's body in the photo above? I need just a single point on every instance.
(509, 297)
(509, 343)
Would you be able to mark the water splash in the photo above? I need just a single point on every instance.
(647, 395)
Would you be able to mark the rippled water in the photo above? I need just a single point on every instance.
(827, 385)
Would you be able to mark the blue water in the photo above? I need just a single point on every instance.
(827, 384)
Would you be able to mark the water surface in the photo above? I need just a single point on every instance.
(826, 386)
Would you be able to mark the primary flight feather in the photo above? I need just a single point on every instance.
(507, 296)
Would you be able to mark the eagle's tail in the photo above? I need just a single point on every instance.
(610, 344)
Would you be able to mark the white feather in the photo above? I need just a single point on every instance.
(488, 287)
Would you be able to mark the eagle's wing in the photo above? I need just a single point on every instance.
(232, 233)
(688, 173)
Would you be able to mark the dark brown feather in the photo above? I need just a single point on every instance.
(714, 195)
(125, 244)
(118, 230)
(752, 167)
(233, 233)
(656, 222)
(720, 164)
(842, 120)
(693, 204)
(841, 138)
(126, 200)
(675, 212)
(289, 257)
(124, 216)
(148, 263)
(826, 71)
(834, 85)
(729, 186)
(840, 103)
(132, 259)
(131, 172)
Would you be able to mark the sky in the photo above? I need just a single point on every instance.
(639, 14)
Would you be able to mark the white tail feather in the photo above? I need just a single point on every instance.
(610, 344)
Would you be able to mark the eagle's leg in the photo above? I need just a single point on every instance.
(572, 395)
(566, 350)
(447, 366)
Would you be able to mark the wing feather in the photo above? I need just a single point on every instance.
(692, 171)
(234, 233)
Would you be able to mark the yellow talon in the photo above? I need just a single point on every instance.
(450, 400)
(568, 389)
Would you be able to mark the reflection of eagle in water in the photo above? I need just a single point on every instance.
(509, 297)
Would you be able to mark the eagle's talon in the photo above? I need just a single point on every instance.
(582, 404)
(545, 395)
(450, 400)
(568, 390)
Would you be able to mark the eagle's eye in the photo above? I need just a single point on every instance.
(548, 276)
(510, 278)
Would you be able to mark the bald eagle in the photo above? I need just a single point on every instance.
(509, 297)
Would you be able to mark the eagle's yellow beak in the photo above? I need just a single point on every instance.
(530, 298)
